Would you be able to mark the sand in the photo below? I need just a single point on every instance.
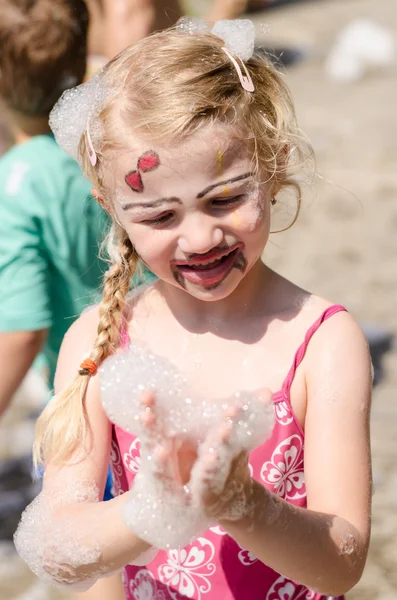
(344, 245)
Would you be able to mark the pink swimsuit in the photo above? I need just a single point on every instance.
(215, 567)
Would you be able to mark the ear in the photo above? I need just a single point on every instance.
(99, 199)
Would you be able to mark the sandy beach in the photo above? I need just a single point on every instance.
(344, 245)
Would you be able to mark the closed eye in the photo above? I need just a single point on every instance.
(160, 220)
(226, 202)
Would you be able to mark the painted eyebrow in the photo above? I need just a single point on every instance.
(153, 204)
(211, 187)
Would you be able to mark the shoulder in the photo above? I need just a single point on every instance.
(57, 171)
(336, 346)
(39, 171)
(338, 357)
(338, 331)
(77, 345)
(83, 331)
(16, 168)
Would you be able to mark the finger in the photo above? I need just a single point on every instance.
(161, 457)
(225, 432)
(148, 418)
(148, 399)
(152, 428)
(210, 462)
(150, 434)
(232, 411)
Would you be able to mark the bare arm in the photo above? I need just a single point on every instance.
(91, 531)
(18, 349)
(109, 588)
(325, 546)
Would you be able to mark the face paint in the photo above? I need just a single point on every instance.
(219, 162)
(185, 190)
(220, 171)
(149, 161)
(236, 220)
(212, 273)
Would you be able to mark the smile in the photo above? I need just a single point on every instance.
(208, 270)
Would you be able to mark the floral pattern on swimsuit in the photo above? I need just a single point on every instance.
(214, 566)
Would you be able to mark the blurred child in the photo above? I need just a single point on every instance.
(49, 265)
(49, 226)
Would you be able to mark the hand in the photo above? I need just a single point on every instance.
(201, 483)
(221, 477)
(173, 458)
(216, 477)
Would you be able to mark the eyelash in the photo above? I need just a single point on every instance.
(227, 201)
(158, 220)
(218, 203)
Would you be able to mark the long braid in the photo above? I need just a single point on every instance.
(111, 308)
(62, 425)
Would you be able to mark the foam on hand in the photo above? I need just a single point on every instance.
(160, 510)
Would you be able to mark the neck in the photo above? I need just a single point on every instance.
(24, 127)
(199, 316)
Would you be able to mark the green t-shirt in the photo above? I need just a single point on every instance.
(50, 233)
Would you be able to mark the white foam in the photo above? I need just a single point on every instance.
(74, 110)
(53, 546)
(192, 25)
(161, 510)
(238, 35)
(126, 375)
(362, 45)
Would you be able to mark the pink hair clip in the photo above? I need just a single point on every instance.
(245, 80)
(90, 150)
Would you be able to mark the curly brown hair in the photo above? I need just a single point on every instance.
(43, 52)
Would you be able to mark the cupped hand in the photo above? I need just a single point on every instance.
(173, 458)
(214, 474)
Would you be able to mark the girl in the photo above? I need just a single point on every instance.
(189, 147)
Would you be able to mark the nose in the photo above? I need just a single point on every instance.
(200, 235)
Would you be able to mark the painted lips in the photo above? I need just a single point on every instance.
(210, 271)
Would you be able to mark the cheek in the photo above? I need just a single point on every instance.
(252, 216)
(150, 246)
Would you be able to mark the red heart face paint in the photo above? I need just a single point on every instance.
(149, 161)
(134, 180)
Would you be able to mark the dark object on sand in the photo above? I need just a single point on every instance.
(380, 342)
(258, 5)
(281, 57)
(17, 490)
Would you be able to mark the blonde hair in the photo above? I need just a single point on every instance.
(163, 89)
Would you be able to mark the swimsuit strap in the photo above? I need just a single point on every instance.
(300, 353)
(124, 336)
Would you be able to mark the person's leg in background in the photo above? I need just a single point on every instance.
(116, 25)
(232, 9)
(226, 9)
